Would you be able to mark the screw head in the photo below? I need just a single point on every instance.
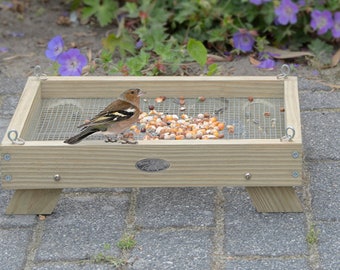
(295, 174)
(247, 176)
(7, 157)
(57, 177)
(8, 178)
(295, 154)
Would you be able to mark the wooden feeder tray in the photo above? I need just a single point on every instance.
(262, 153)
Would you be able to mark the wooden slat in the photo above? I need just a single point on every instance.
(35, 201)
(292, 107)
(91, 165)
(274, 199)
(27, 109)
(90, 87)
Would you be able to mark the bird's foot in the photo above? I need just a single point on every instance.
(127, 138)
(110, 140)
(127, 141)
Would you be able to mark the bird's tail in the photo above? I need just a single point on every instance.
(82, 135)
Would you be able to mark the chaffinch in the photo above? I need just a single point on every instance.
(114, 119)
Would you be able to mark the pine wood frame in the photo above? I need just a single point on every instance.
(275, 166)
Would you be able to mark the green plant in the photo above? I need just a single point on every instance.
(104, 257)
(322, 51)
(163, 37)
(103, 10)
(197, 51)
(312, 235)
(127, 242)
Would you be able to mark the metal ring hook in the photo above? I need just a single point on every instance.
(290, 134)
(15, 139)
(285, 71)
(37, 71)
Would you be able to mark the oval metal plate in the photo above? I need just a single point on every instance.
(152, 164)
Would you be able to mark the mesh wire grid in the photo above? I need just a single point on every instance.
(259, 119)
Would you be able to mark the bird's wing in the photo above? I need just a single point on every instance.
(109, 115)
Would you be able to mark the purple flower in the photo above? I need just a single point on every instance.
(71, 63)
(3, 49)
(315, 73)
(336, 25)
(243, 41)
(258, 2)
(266, 60)
(286, 12)
(17, 34)
(301, 3)
(54, 48)
(7, 4)
(321, 21)
(139, 44)
(267, 64)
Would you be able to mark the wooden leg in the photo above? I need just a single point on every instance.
(274, 199)
(33, 201)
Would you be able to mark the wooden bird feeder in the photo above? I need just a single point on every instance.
(262, 153)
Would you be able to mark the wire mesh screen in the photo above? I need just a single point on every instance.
(252, 119)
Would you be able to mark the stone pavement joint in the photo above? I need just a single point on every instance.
(314, 256)
(34, 245)
(219, 235)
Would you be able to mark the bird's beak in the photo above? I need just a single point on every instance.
(141, 93)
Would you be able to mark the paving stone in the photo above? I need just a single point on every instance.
(320, 135)
(185, 250)
(329, 245)
(13, 246)
(8, 105)
(97, 190)
(81, 225)
(10, 92)
(4, 122)
(13, 221)
(312, 85)
(167, 207)
(12, 86)
(251, 233)
(266, 264)
(325, 190)
(73, 266)
(318, 100)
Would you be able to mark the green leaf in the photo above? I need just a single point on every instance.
(87, 12)
(322, 51)
(132, 9)
(137, 63)
(197, 51)
(217, 34)
(165, 52)
(152, 36)
(111, 42)
(212, 69)
(123, 42)
(103, 10)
